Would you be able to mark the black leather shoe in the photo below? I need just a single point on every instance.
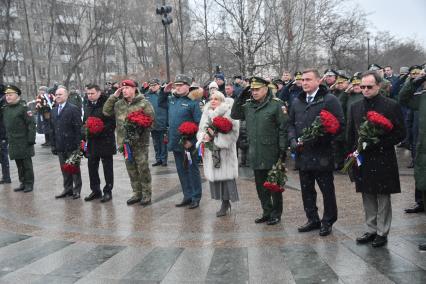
(156, 164)
(325, 230)
(28, 188)
(415, 209)
(379, 241)
(145, 202)
(93, 196)
(273, 221)
(76, 196)
(107, 197)
(64, 194)
(5, 181)
(164, 164)
(183, 203)
(366, 238)
(309, 226)
(422, 247)
(262, 219)
(194, 205)
(133, 200)
(20, 188)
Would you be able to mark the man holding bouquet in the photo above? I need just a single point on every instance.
(132, 138)
(375, 126)
(184, 116)
(266, 118)
(98, 132)
(311, 139)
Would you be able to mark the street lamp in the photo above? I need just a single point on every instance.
(368, 49)
(166, 20)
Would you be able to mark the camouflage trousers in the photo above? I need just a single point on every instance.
(139, 174)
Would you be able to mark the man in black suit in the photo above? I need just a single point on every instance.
(314, 158)
(66, 137)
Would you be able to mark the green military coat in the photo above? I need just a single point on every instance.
(20, 130)
(418, 103)
(266, 124)
(121, 108)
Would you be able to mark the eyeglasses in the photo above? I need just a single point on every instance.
(367, 87)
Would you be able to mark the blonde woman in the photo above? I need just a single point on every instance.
(220, 163)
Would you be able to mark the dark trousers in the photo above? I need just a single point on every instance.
(72, 183)
(272, 202)
(4, 160)
(159, 147)
(95, 181)
(189, 177)
(25, 171)
(325, 182)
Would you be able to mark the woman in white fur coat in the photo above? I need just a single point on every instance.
(221, 164)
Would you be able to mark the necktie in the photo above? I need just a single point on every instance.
(310, 99)
(59, 109)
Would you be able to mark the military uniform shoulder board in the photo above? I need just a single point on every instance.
(249, 100)
(277, 99)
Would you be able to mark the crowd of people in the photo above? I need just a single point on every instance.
(256, 122)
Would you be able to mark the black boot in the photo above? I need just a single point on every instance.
(107, 196)
(20, 188)
(224, 208)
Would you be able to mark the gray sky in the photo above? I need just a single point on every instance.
(404, 19)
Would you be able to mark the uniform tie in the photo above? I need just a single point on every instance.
(59, 109)
(309, 99)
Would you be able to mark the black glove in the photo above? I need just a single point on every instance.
(293, 145)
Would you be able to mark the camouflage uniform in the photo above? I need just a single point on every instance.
(138, 170)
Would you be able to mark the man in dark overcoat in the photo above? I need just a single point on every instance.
(377, 177)
(100, 146)
(65, 139)
(314, 159)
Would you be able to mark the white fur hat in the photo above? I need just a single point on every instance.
(213, 85)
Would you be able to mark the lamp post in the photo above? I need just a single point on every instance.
(166, 20)
(368, 49)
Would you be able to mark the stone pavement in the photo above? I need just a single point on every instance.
(43, 240)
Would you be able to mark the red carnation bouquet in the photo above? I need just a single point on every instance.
(276, 178)
(187, 131)
(325, 123)
(135, 125)
(370, 132)
(94, 126)
(218, 124)
(72, 164)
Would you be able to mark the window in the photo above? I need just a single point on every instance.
(29, 69)
(37, 28)
(56, 70)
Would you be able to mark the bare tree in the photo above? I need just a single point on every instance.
(6, 22)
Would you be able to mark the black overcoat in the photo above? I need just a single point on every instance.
(378, 173)
(102, 144)
(316, 155)
(65, 129)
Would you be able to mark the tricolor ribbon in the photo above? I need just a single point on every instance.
(359, 158)
(188, 156)
(49, 102)
(201, 150)
(127, 152)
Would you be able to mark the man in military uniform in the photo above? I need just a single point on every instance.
(4, 153)
(329, 78)
(21, 132)
(184, 105)
(137, 168)
(159, 130)
(266, 122)
(385, 87)
(342, 84)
